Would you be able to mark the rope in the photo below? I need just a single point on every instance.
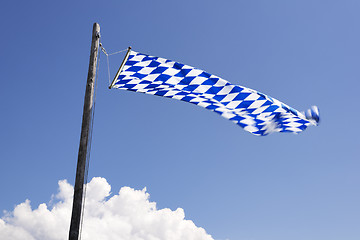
(118, 52)
(108, 67)
(89, 144)
(107, 58)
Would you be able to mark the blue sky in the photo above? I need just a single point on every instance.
(233, 184)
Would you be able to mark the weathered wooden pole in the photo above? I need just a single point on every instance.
(84, 138)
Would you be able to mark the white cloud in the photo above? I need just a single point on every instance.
(128, 215)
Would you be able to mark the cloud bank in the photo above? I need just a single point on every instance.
(128, 215)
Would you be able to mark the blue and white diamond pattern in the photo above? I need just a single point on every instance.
(255, 112)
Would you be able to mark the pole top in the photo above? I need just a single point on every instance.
(96, 29)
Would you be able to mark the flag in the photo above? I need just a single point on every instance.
(254, 111)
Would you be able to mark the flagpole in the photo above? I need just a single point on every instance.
(121, 67)
(84, 138)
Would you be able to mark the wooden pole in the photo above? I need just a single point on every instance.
(84, 138)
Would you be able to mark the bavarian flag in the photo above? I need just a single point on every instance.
(254, 111)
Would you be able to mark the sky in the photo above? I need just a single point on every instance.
(199, 168)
